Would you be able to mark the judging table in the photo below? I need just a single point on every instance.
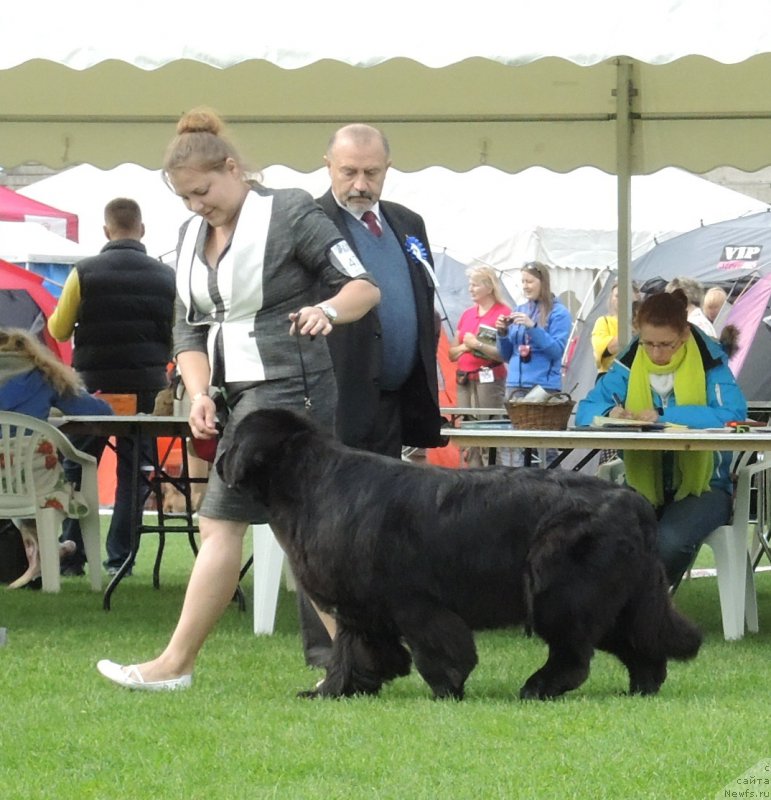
(486, 431)
(609, 439)
(756, 409)
(594, 440)
(143, 427)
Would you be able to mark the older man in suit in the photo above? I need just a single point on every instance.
(385, 363)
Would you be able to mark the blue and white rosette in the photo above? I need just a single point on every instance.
(416, 250)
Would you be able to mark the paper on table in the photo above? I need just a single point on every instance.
(620, 422)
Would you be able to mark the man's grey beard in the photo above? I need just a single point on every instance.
(357, 208)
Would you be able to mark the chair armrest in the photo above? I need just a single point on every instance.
(53, 434)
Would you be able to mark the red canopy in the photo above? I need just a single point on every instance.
(15, 207)
(26, 304)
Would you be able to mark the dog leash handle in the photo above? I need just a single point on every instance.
(306, 393)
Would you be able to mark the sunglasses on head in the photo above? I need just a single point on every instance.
(534, 266)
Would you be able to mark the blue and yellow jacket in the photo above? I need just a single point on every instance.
(725, 400)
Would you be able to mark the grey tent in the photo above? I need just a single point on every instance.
(733, 254)
(730, 254)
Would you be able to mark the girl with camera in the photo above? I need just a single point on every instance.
(532, 339)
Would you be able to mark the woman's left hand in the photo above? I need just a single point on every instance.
(648, 415)
(309, 321)
(518, 318)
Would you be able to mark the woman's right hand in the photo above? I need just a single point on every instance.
(203, 417)
(502, 324)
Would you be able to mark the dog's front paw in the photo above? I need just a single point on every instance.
(534, 689)
(449, 693)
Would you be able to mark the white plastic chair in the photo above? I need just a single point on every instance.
(19, 437)
(267, 568)
(732, 550)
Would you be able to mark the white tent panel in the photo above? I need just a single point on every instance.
(568, 220)
(484, 215)
(33, 243)
(89, 189)
(293, 35)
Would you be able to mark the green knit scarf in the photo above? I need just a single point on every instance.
(692, 470)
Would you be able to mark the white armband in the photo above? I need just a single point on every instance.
(345, 260)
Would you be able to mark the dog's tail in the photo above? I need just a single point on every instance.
(658, 626)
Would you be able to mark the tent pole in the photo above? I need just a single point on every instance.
(624, 93)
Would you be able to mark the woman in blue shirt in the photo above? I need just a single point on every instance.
(533, 338)
(532, 341)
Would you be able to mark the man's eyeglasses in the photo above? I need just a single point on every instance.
(670, 346)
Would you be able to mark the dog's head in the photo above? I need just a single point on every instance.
(259, 442)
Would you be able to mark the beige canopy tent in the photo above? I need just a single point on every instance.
(623, 87)
(628, 88)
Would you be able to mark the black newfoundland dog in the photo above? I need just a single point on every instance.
(412, 559)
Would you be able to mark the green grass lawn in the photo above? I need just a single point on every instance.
(241, 732)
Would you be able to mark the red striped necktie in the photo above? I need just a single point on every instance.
(369, 218)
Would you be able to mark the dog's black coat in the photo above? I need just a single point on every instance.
(422, 556)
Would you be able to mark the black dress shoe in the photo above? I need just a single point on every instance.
(72, 570)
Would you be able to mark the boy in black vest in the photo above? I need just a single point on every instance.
(119, 306)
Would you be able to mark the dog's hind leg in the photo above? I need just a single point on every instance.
(361, 663)
(442, 646)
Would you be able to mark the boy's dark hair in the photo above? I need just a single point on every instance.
(123, 214)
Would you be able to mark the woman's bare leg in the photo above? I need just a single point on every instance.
(210, 589)
(327, 620)
(28, 530)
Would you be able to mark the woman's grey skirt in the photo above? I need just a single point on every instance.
(222, 502)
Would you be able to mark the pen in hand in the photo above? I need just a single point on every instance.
(619, 404)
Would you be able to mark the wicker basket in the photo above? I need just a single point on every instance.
(550, 416)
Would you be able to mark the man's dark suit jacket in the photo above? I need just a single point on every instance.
(357, 349)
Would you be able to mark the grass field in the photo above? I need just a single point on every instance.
(241, 732)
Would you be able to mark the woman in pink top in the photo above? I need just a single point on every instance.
(481, 375)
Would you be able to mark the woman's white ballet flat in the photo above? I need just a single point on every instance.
(131, 678)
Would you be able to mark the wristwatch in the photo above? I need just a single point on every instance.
(329, 312)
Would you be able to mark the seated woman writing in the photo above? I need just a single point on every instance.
(672, 372)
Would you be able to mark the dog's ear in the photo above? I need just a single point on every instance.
(237, 462)
(259, 440)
